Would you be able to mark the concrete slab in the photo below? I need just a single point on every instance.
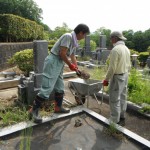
(60, 132)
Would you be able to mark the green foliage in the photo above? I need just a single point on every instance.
(82, 43)
(92, 44)
(25, 141)
(15, 28)
(138, 89)
(12, 115)
(132, 51)
(101, 31)
(148, 50)
(51, 43)
(24, 8)
(59, 31)
(143, 56)
(129, 35)
(145, 109)
(23, 60)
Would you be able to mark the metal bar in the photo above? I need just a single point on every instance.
(68, 102)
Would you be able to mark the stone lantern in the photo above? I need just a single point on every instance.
(134, 60)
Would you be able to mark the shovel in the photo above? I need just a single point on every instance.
(82, 74)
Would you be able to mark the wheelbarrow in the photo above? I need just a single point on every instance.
(82, 89)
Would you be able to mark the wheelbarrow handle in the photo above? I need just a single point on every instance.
(70, 89)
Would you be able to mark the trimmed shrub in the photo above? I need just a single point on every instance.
(23, 60)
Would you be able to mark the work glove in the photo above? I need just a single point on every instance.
(73, 67)
(105, 83)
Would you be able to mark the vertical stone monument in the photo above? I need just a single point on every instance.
(102, 42)
(104, 53)
(29, 86)
(40, 49)
(87, 45)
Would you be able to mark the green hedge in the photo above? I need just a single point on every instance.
(143, 56)
(15, 28)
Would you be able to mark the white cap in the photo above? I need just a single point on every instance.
(118, 34)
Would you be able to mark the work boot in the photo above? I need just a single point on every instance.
(60, 109)
(121, 122)
(58, 104)
(34, 111)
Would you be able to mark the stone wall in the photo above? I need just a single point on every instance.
(7, 50)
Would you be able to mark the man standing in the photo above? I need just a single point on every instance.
(52, 78)
(117, 73)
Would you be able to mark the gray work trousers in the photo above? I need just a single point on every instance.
(118, 97)
(52, 79)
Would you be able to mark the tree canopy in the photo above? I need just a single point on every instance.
(24, 8)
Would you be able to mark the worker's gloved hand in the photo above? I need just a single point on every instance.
(73, 67)
(105, 83)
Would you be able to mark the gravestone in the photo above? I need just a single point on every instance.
(104, 56)
(87, 45)
(102, 41)
(102, 52)
(29, 86)
(40, 49)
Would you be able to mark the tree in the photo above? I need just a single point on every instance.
(59, 31)
(138, 41)
(146, 36)
(24, 8)
(101, 31)
(92, 44)
(129, 35)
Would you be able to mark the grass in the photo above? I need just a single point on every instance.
(12, 115)
(26, 139)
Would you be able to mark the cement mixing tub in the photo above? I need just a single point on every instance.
(84, 88)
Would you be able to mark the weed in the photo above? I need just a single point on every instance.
(113, 131)
(26, 139)
(145, 109)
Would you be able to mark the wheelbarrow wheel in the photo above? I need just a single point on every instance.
(80, 99)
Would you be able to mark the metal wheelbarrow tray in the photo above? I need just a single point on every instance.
(85, 87)
(82, 89)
